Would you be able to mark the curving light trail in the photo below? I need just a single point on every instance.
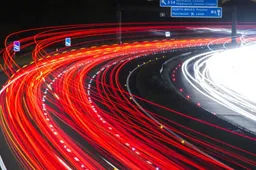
(226, 76)
(82, 92)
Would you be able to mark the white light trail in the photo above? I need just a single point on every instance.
(63, 163)
(115, 168)
(226, 77)
(2, 165)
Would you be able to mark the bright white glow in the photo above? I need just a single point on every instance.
(226, 77)
(235, 70)
(149, 162)
(2, 165)
(76, 159)
(63, 163)
(110, 163)
(167, 34)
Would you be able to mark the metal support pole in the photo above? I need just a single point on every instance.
(234, 24)
(119, 18)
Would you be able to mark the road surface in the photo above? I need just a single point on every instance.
(92, 105)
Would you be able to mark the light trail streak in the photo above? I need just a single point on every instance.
(115, 168)
(65, 165)
(161, 126)
(221, 74)
(2, 165)
(83, 89)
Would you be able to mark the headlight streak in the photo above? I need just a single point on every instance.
(207, 80)
(179, 138)
(2, 165)
(82, 88)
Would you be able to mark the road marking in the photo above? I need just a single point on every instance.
(115, 168)
(2, 165)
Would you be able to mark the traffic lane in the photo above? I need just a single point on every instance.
(143, 61)
(69, 129)
(125, 72)
(149, 85)
(8, 157)
(173, 77)
(212, 106)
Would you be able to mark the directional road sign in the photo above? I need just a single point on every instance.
(189, 3)
(67, 42)
(16, 46)
(189, 12)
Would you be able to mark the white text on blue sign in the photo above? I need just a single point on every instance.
(189, 3)
(189, 12)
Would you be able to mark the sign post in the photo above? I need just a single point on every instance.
(234, 24)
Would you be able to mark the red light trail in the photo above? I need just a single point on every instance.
(81, 87)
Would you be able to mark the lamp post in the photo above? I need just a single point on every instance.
(234, 24)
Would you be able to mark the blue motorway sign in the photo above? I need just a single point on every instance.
(67, 42)
(190, 3)
(16, 46)
(189, 12)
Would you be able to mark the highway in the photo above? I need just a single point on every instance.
(205, 72)
(103, 105)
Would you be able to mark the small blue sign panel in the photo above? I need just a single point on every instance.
(16, 46)
(67, 42)
(188, 12)
(190, 3)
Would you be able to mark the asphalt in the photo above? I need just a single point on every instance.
(218, 109)
(8, 157)
(147, 83)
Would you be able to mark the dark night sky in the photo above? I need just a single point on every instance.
(30, 13)
(18, 14)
